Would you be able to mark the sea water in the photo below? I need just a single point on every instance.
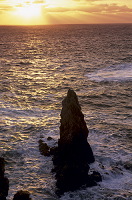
(38, 64)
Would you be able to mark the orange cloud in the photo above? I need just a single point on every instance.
(6, 8)
(112, 8)
(39, 1)
(68, 11)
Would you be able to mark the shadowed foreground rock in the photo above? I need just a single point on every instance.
(4, 182)
(4, 185)
(73, 154)
(22, 195)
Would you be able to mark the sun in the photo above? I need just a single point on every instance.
(29, 11)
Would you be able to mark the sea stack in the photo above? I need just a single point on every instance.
(74, 153)
(4, 182)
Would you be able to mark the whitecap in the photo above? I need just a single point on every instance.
(121, 72)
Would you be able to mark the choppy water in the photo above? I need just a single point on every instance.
(38, 64)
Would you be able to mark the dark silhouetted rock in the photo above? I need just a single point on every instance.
(49, 138)
(22, 195)
(128, 166)
(73, 131)
(44, 148)
(96, 176)
(4, 186)
(2, 198)
(4, 182)
(2, 167)
(74, 153)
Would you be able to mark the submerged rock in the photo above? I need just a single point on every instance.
(4, 182)
(128, 166)
(22, 195)
(74, 153)
(96, 176)
(49, 138)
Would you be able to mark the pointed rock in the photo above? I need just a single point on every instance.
(74, 153)
(73, 130)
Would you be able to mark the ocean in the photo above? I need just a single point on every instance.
(38, 64)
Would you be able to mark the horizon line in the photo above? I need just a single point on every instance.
(65, 24)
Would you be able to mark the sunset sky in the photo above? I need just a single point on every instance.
(37, 12)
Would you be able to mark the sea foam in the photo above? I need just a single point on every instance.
(121, 72)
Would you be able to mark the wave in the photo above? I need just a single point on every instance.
(121, 72)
